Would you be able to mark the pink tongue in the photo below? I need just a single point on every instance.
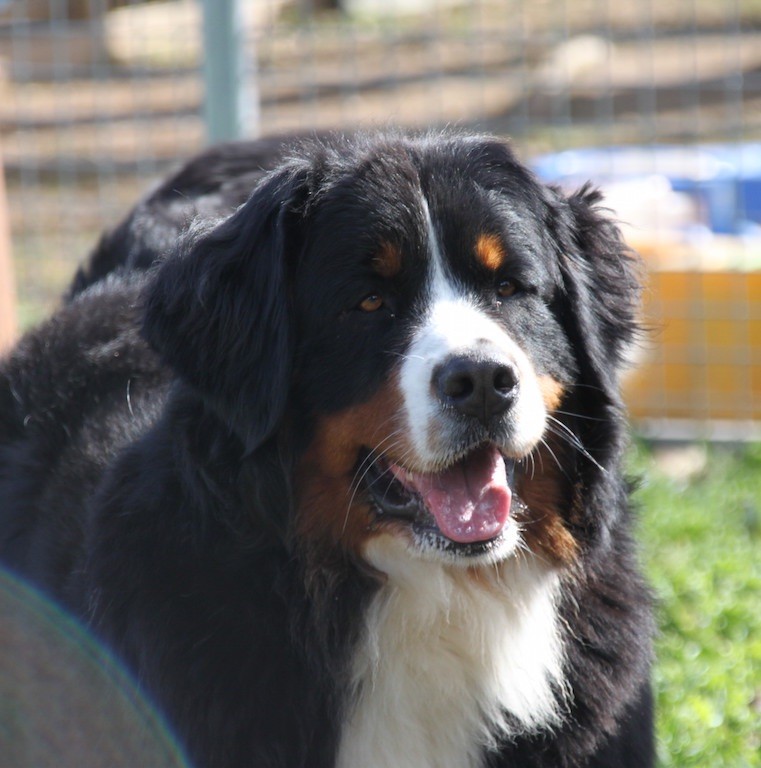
(470, 501)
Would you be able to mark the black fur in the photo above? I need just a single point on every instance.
(211, 185)
(159, 506)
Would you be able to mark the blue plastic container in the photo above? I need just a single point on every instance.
(723, 179)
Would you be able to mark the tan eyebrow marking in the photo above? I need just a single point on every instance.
(388, 261)
(490, 252)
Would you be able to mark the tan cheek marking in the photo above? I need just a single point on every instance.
(328, 515)
(552, 392)
(546, 494)
(489, 252)
(388, 261)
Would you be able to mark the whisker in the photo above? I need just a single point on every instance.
(405, 356)
(554, 456)
(579, 416)
(364, 468)
(573, 440)
(375, 453)
(367, 463)
(524, 548)
(537, 455)
(589, 386)
(525, 460)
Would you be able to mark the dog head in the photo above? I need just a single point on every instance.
(439, 333)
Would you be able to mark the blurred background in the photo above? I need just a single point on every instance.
(657, 101)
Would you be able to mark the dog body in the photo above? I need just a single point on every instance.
(358, 501)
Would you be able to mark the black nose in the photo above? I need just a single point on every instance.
(483, 387)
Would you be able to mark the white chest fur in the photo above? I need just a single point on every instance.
(445, 653)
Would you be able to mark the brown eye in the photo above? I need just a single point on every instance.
(506, 289)
(371, 303)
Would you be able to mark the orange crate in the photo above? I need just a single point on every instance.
(702, 357)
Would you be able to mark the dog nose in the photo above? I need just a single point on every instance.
(482, 387)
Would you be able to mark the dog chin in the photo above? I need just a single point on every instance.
(392, 549)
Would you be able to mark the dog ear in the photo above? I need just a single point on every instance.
(217, 311)
(602, 279)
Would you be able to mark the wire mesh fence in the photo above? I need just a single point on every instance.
(660, 102)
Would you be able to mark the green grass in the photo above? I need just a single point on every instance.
(701, 542)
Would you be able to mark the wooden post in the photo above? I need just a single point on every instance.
(8, 318)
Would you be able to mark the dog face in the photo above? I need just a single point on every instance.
(428, 321)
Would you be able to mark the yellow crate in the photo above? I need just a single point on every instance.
(702, 356)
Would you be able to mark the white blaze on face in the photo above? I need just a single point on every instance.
(452, 323)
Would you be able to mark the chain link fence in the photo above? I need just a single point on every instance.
(659, 102)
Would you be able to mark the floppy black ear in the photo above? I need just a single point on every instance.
(217, 311)
(602, 284)
(602, 280)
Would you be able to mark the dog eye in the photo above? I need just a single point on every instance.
(371, 303)
(507, 288)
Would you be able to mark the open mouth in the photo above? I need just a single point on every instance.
(464, 508)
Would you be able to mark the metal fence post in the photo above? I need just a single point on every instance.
(8, 319)
(231, 102)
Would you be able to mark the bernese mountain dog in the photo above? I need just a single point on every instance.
(331, 457)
